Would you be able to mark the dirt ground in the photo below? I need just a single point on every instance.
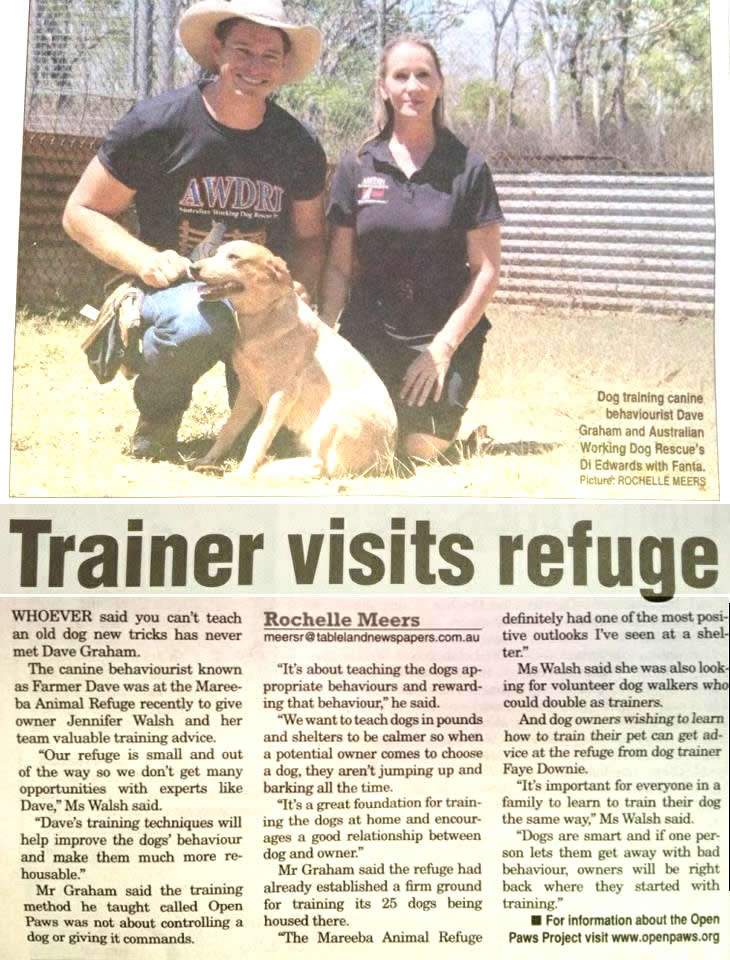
(544, 380)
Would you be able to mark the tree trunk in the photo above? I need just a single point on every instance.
(596, 106)
(381, 13)
(659, 126)
(494, 77)
(498, 23)
(514, 76)
(552, 40)
(624, 19)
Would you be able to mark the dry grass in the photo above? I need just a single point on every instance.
(540, 378)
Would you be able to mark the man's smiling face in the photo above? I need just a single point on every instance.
(250, 60)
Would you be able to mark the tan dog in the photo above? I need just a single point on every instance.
(300, 372)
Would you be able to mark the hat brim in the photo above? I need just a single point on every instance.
(197, 29)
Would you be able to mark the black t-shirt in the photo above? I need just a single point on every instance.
(411, 232)
(189, 170)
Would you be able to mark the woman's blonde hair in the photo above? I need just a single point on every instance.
(383, 110)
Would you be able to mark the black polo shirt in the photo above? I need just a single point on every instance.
(411, 233)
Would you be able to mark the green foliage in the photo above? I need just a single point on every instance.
(339, 110)
(676, 62)
(472, 101)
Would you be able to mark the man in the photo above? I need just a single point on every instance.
(216, 152)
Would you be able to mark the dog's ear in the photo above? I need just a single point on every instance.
(278, 270)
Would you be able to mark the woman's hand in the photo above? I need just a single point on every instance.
(425, 376)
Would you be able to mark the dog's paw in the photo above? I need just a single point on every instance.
(201, 466)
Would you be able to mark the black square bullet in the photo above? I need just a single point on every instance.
(536, 920)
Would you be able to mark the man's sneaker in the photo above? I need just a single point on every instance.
(155, 438)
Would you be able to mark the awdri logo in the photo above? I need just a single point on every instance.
(232, 193)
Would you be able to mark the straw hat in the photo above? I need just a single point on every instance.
(198, 23)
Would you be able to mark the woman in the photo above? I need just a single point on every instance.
(415, 242)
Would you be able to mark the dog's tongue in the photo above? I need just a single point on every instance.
(206, 292)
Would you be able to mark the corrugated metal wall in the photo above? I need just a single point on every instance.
(616, 241)
(52, 269)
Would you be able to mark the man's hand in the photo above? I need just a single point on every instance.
(160, 268)
(426, 374)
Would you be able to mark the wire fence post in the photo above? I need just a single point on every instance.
(145, 48)
(166, 42)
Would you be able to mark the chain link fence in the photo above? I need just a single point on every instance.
(89, 62)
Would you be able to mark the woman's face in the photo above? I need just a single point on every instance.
(411, 82)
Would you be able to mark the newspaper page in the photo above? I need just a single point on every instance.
(460, 728)
(243, 728)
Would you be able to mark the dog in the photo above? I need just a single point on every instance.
(302, 374)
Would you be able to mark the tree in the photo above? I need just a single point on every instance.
(337, 97)
(349, 26)
(517, 60)
(552, 19)
(628, 53)
(499, 15)
(661, 49)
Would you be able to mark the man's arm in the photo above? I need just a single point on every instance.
(308, 235)
(88, 219)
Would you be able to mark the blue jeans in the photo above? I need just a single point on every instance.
(182, 338)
